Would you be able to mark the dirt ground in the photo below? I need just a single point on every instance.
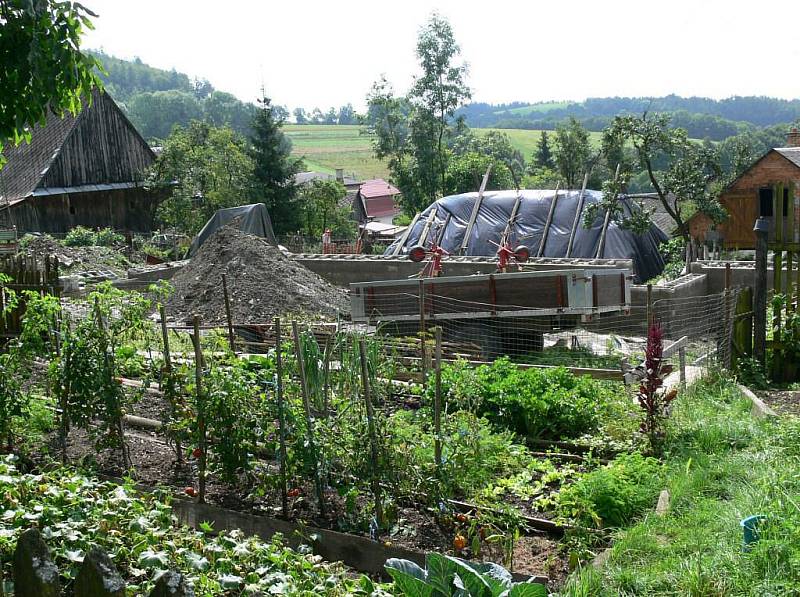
(783, 402)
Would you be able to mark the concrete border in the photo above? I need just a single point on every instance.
(759, 409)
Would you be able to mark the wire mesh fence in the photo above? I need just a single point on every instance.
(603, 344)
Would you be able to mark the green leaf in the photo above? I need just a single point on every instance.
(230, 581)
(409, 578)
(154, 559)
(528, 589)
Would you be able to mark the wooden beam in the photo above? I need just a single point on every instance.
(475, 208)
(404, 238)
(601, 246)
(577, 218)
(549, 221)
(428, 223)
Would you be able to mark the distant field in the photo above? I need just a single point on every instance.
(327, 147)
(542, 108)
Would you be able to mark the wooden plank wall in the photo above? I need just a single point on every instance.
(26, 273)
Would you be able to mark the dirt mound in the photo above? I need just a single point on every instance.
(262, 283)
(77, 259)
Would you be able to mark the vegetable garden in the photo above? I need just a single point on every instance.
(488, 464)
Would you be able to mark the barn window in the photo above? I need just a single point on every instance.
(765, 203)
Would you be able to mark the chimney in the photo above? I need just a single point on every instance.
(793, 138)
(340, 171)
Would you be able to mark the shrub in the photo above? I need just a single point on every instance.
(614, 494)
(106, 237)
(80, 237)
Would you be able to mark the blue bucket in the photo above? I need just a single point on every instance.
(750, 529)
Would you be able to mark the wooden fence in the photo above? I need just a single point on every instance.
(17, 275)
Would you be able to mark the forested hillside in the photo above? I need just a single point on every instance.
(701, 117)
(156, 100)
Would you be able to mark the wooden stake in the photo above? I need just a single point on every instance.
(422, 351)
(373, 440)
(437, 402)
(281, 415)
(309, 419)
(547, 223)
(231, 337)
(728, 332)
(201, 415)
(168, 373)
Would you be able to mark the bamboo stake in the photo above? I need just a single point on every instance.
(437, 402)
(201, 415)
(423, 360)
(373, 440)
(309, 419)
(231, 337)
(281, 415)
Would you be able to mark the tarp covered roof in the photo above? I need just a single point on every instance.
(495, 211)
(252, 219)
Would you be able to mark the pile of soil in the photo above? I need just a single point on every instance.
(262, 283)
(74, 260)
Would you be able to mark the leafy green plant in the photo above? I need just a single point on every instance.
(614, 494)
(751, 373)
(80, 236)
(106, 237)
(447, 576)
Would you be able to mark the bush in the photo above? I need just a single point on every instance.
(614, 494)
(550, 403)
(80, 237)
(106, 237)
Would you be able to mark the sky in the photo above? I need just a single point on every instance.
(324, 53)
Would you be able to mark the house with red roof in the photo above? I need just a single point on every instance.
(376, 201)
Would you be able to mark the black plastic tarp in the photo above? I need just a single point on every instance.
(496, 208)
(252, 219)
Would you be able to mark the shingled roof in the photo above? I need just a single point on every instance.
(98, 146)
(790, 153)
(27, 163)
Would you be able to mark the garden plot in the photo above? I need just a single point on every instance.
(320, 434)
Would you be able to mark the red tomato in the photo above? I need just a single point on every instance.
(190, 491)
(197, 453)
(459, 542)
(293, 492)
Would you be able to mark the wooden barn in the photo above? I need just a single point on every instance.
(769, 188)
(80, 170)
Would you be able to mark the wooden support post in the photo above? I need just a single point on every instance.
(777, 284)
(682, 363)
(728, 320)
(168, 377)
(281, 416)
(309, 418)
(201, 411)
(649, 306)
(475, 209)
(601, 245)
(576, 220)
(437, 402)
(789, 282)
(231, 337)
(373, 438)
(422, 350)
(548, 222)
(760, 292)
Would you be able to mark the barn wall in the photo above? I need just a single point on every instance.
(103, 148)
(741, 199)
(121, 209)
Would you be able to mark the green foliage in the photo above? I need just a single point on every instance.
(75, 513)
(13, 401)
(43, 67)
(447, 576)
(86, 237)
(208, 169)
(572, 152)
(534, 402)
(614, 494)
(752, 373)
(784, 355)
(543, 158)
(321, 202)
(274, 169)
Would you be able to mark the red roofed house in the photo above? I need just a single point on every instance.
(376, 201)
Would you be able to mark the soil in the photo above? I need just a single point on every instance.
(74, 260)
(262, 283)
(783, 402)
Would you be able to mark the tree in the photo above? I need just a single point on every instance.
(544, 155)
(347, 115)
(274, 169)
(321, 202)
(436, 93)
(689, 169)
(572, 152)
(331, 116)
(41, 65)
(300, 116)
(317, 117)
(207, 168)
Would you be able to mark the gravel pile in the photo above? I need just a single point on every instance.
(262, 283)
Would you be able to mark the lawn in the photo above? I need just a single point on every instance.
(525, 140)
